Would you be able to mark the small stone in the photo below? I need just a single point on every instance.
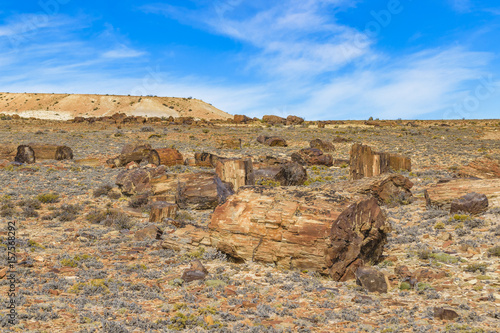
(196, 271)
(445, 314)
(445, 236)
(150, 232)
(371, 279)
(132, 165)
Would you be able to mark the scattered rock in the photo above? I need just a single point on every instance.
(371, 279)
(241, 119)
(150, 232)
(472, 203)
(273, 120)
(272, 141)
(135, 146)
(445, 314)
(312, 156)
(322, 145)
(294, 120)
(291, 174)
(230, 144)
(196, 271)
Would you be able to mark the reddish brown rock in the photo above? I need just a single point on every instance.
(366, 163)
(25, 154)
(338, 139)
(294, 120)
(312, 156)
(291, 174)
(483, 168)
(272, 141)
(169, 157)
(283, 226)
(238, 172)
(357, 236)
(161, 210)
(472, 203)
(389, 190)
(445, 314)
(202, 190)
(441, 195)
(322, 145)
(241, 119)
(137, 180)
(196, 271)
(273, 120)
(372, 279)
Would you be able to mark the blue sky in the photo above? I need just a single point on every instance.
(319, 59)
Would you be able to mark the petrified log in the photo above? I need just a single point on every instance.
(272, 141)
(135, 146)
(161, 210)
(149, 155)
(238, 172)
(169, 156)
(472, 203)
(273, 120)
(372, 279)
(25, 154)
(441, 195)
(390, 190)
(366, 163)
(312, 156)
(284, 226)
(322, 145)
(357, 237)
(203, 190)
(51, 152)
(291, 174)
(294, 120)
(137, 180)
(484, 168)
(241, 119)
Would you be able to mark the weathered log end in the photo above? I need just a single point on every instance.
(25, 154)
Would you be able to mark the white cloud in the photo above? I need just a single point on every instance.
(123, 52)
(462, 6)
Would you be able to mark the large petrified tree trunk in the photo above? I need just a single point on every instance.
(483, 168)
(357, 237)
(238, 172)
(25, 154)
(441, 195)
(366, 163)
(51, 152)
(203, 190)
(284, 226)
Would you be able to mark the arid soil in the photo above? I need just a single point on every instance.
(80, 272)
(68, 106)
